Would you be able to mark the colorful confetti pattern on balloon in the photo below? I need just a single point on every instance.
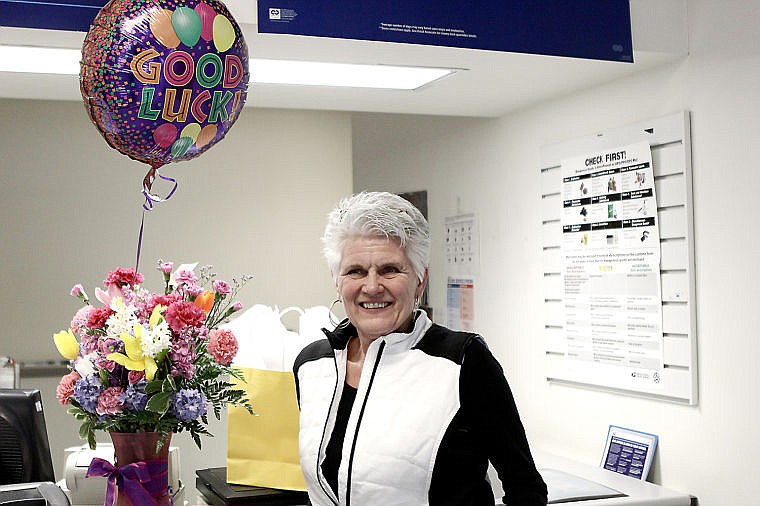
(164, 80)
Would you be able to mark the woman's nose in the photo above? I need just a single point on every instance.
(372, 283)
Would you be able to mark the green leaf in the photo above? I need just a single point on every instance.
(85, 429)
(169, 385)
(161, 356)
(153, 387)
(159, 403)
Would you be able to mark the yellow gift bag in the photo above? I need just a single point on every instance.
(262, 450)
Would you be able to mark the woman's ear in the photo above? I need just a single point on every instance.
(422, 285)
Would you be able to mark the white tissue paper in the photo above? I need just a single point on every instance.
(265, 343)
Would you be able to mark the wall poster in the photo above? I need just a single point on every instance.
(462, 244)
(610, 255)
(460, 303)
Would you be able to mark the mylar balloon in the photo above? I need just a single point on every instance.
(164, 80)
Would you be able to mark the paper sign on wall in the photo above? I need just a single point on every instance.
(460, 303)
(462, 244)
(610, 257)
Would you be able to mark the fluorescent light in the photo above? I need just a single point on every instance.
(46, 60)
(39, 60)
(343, 74)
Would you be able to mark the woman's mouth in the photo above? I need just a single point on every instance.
(374, 305)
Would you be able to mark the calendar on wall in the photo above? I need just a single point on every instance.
(461, 242)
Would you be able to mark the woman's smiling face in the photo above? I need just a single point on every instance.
(377, 285)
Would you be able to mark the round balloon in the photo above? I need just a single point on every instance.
(164, 80)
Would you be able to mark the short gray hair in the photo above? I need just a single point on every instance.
(373, 214)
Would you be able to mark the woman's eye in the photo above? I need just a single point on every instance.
(355, 273)
(390, 271)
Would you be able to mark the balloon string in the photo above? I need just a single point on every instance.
(150, 199)
(139, 243)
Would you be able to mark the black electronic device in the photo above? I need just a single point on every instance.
(24, 447)
(212, 484)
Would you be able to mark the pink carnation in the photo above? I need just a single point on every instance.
(123, 276)
(157, 299)
(221, 287)
(193, 289)
(77, 290)
(222, 345)
(185, 277)
(135, 376)
(111, 401)
(65, 388)
(97, 318)
(183, 314)
(79, 322)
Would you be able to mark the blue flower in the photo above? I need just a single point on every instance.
(135, 397)
(86, 392)
(189, 404)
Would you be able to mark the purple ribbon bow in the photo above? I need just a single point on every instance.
(133, 479)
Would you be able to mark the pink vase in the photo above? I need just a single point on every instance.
(136, 447)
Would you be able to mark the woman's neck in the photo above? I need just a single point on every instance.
(357, 349)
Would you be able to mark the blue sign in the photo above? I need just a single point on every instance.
(593, 29)
(72, 15)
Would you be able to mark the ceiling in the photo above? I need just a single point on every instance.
(490, 83)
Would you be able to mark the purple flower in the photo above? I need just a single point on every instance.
(237, 306)
(107, 345)
(88, 344)
(221, 287)
(135, 397)
(166, 267)
(182, 355)
(87, 391)
(189, 404)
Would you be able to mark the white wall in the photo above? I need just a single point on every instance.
(491, 167)
(71, 207)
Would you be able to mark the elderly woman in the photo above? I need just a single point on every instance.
(396, 410)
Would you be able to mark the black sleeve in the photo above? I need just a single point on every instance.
(486, 396)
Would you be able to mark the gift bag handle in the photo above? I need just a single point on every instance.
(291, 308)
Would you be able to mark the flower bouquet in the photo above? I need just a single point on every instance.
(151, 362)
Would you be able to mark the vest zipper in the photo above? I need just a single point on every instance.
(359, 422)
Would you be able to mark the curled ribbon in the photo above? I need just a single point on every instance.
(133, 479)
(150, 199)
